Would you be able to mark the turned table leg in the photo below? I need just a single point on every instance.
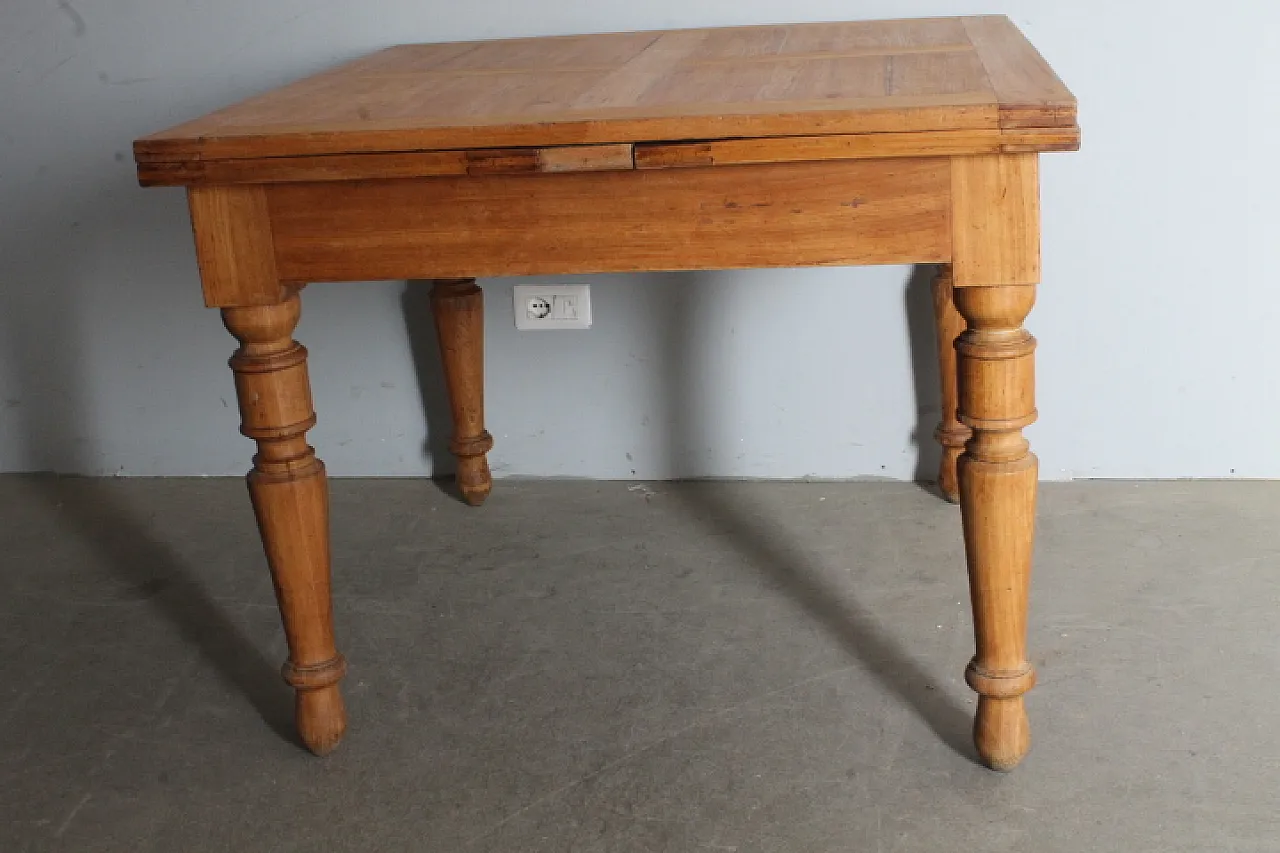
(458, 305)
(291, 502)
(951, 434)
(997, 502)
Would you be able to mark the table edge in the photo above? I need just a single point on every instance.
(1005, 107)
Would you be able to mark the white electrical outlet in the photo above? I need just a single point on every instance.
(553, 306)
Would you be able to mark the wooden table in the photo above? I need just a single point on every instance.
(879, 142)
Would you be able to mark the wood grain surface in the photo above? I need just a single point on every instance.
(925, 76)
(232, 229)
(788, 214)
(995, 219)
(458, 307)
(950, 433)
(997, 477)
(291, 503)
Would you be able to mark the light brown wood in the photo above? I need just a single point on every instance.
(627, 84)
(458, 305)
(995, 219)
(742, 120)
(995, 266)
(411, 164)
(951, 434)
(790, 149)
(779, 215)
(233, 246)
(326, 167)
(796, 145)
(1028, 91)
(586, 158)
(922, 76)
(291, 503)
(566, 158)
(997, 503)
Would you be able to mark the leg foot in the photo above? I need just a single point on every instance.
(1001, 732)
(997, 478)
(291, 503)
(474, 480)
(951, 434)
(458, 305)
(320, 714)
(321, 719)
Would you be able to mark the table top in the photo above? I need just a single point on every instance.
(939, 75)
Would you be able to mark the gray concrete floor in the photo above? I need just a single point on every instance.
(611, 667)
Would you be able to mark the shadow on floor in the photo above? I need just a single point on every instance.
(782, 560)
(763, 547)
(150, 567)
(148, 570)
(774, 552)
(54, 423)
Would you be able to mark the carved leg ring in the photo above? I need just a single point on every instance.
(997, 499)
(291, 502)
(458, 305)
(951, 434)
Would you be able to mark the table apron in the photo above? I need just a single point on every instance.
(723, 217)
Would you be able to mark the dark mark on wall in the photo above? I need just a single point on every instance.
(77, 20)
(61, 63)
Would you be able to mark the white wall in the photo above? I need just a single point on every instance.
(1157, 315)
